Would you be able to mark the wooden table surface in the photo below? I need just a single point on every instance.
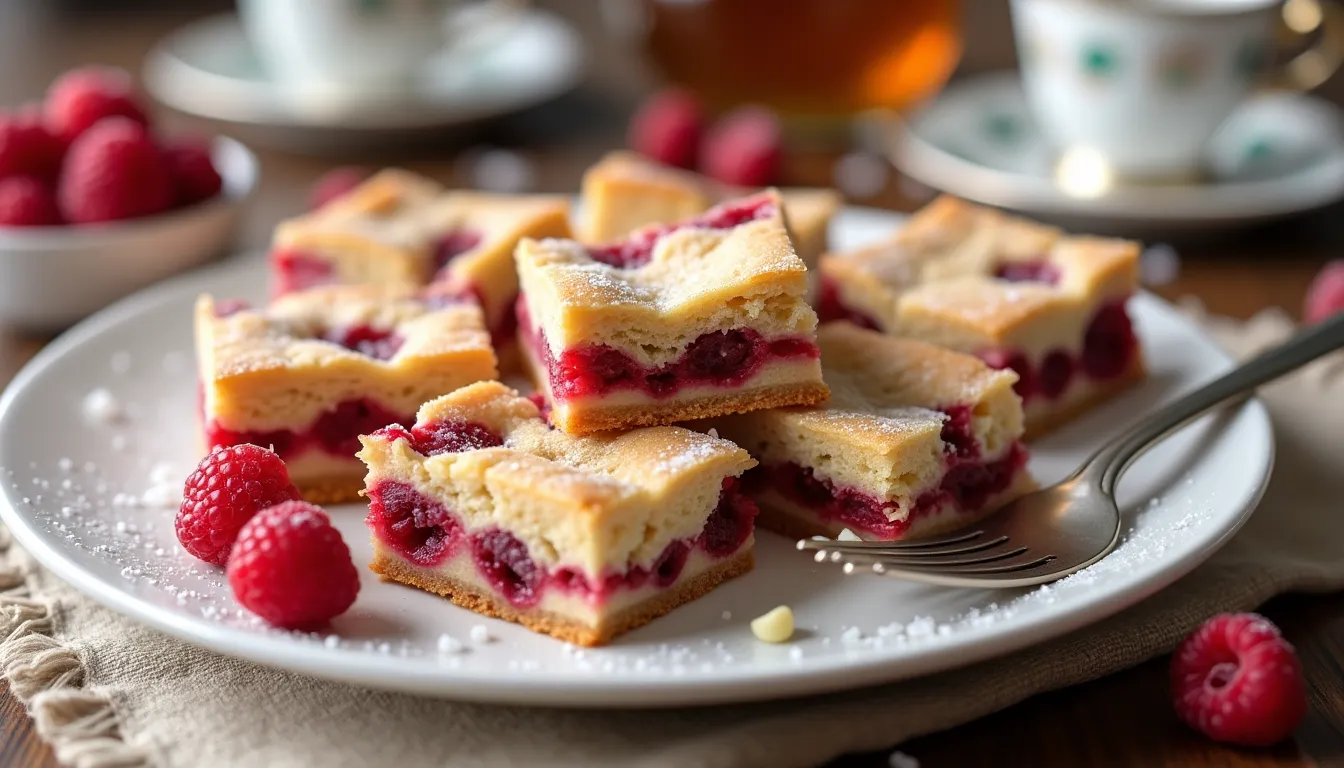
(1125, 719)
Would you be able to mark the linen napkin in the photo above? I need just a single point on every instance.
(107, 692)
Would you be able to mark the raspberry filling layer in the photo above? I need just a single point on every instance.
(295, 270)
(1031, 271)
(638, 249)
(969, 483)
(336, 431)
(1108, 350)
(453, 244)
(1109, 344)
(424, 532)
(373, 342)
(722, 358)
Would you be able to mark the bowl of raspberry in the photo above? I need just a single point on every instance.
(96, 203)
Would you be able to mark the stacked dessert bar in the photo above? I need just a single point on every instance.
(684, 383)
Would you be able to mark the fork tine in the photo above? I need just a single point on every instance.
(1025, 564)
(815, 544)
(899, 561)
(830, 552)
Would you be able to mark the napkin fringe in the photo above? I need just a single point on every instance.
(81, 725)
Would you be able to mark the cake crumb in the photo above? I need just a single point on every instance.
(796, 653)
(727, 615)
(899, 759)
(480, 634)
(775, 626)
(65, 464)
(101, 406)
(847, 535)
(450, 645)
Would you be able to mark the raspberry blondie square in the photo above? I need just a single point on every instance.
(1018, 294)
(318, 368)
(398, 228)
(372, 234)
(700, 318)
(582, 538)
(626, 191)
(915, 440)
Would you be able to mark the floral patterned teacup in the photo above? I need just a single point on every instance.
(1143, 84)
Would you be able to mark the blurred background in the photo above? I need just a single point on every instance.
(890, 102)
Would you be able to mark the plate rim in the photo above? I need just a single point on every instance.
(581, 690)
(1258, 200)
(169, 78)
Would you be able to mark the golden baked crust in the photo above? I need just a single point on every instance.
(388, 231)
(332, 490)
(698, 280)
(881, 429)
(934, 279)
(267, 370)
(625, 191)
(373, 234)
(556, 625)
(594, 501)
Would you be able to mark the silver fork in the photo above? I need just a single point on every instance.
(1053, 532)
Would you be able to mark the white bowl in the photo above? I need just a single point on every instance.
(51, 277)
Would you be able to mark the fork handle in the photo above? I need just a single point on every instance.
(1239, 383)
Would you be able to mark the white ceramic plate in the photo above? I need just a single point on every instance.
(1278, 154)
(209, 69)
(74, 494)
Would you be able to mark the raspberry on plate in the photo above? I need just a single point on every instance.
(192, 171)
(81, 97)
(114, 171)
(228, 487)
(27, 147)
(27, 202)
(745, 148)
(667, 128)
(292, 568)
(1236, 679)
(1325, 297)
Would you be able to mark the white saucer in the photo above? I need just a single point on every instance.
(1278, 154)
(208, 69)
(80, 496)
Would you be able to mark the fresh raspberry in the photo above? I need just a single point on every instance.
(335, 183)
(1237, 680)
(81, 97)
(667, 128)
(292, 568)
(744, 148)
(27, 202)
(114, 171)
(191, 170)
(1325, 297)
(27, 147)
(228, 487)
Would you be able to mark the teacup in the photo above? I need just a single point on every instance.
(1144, 84)
(356, 48)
